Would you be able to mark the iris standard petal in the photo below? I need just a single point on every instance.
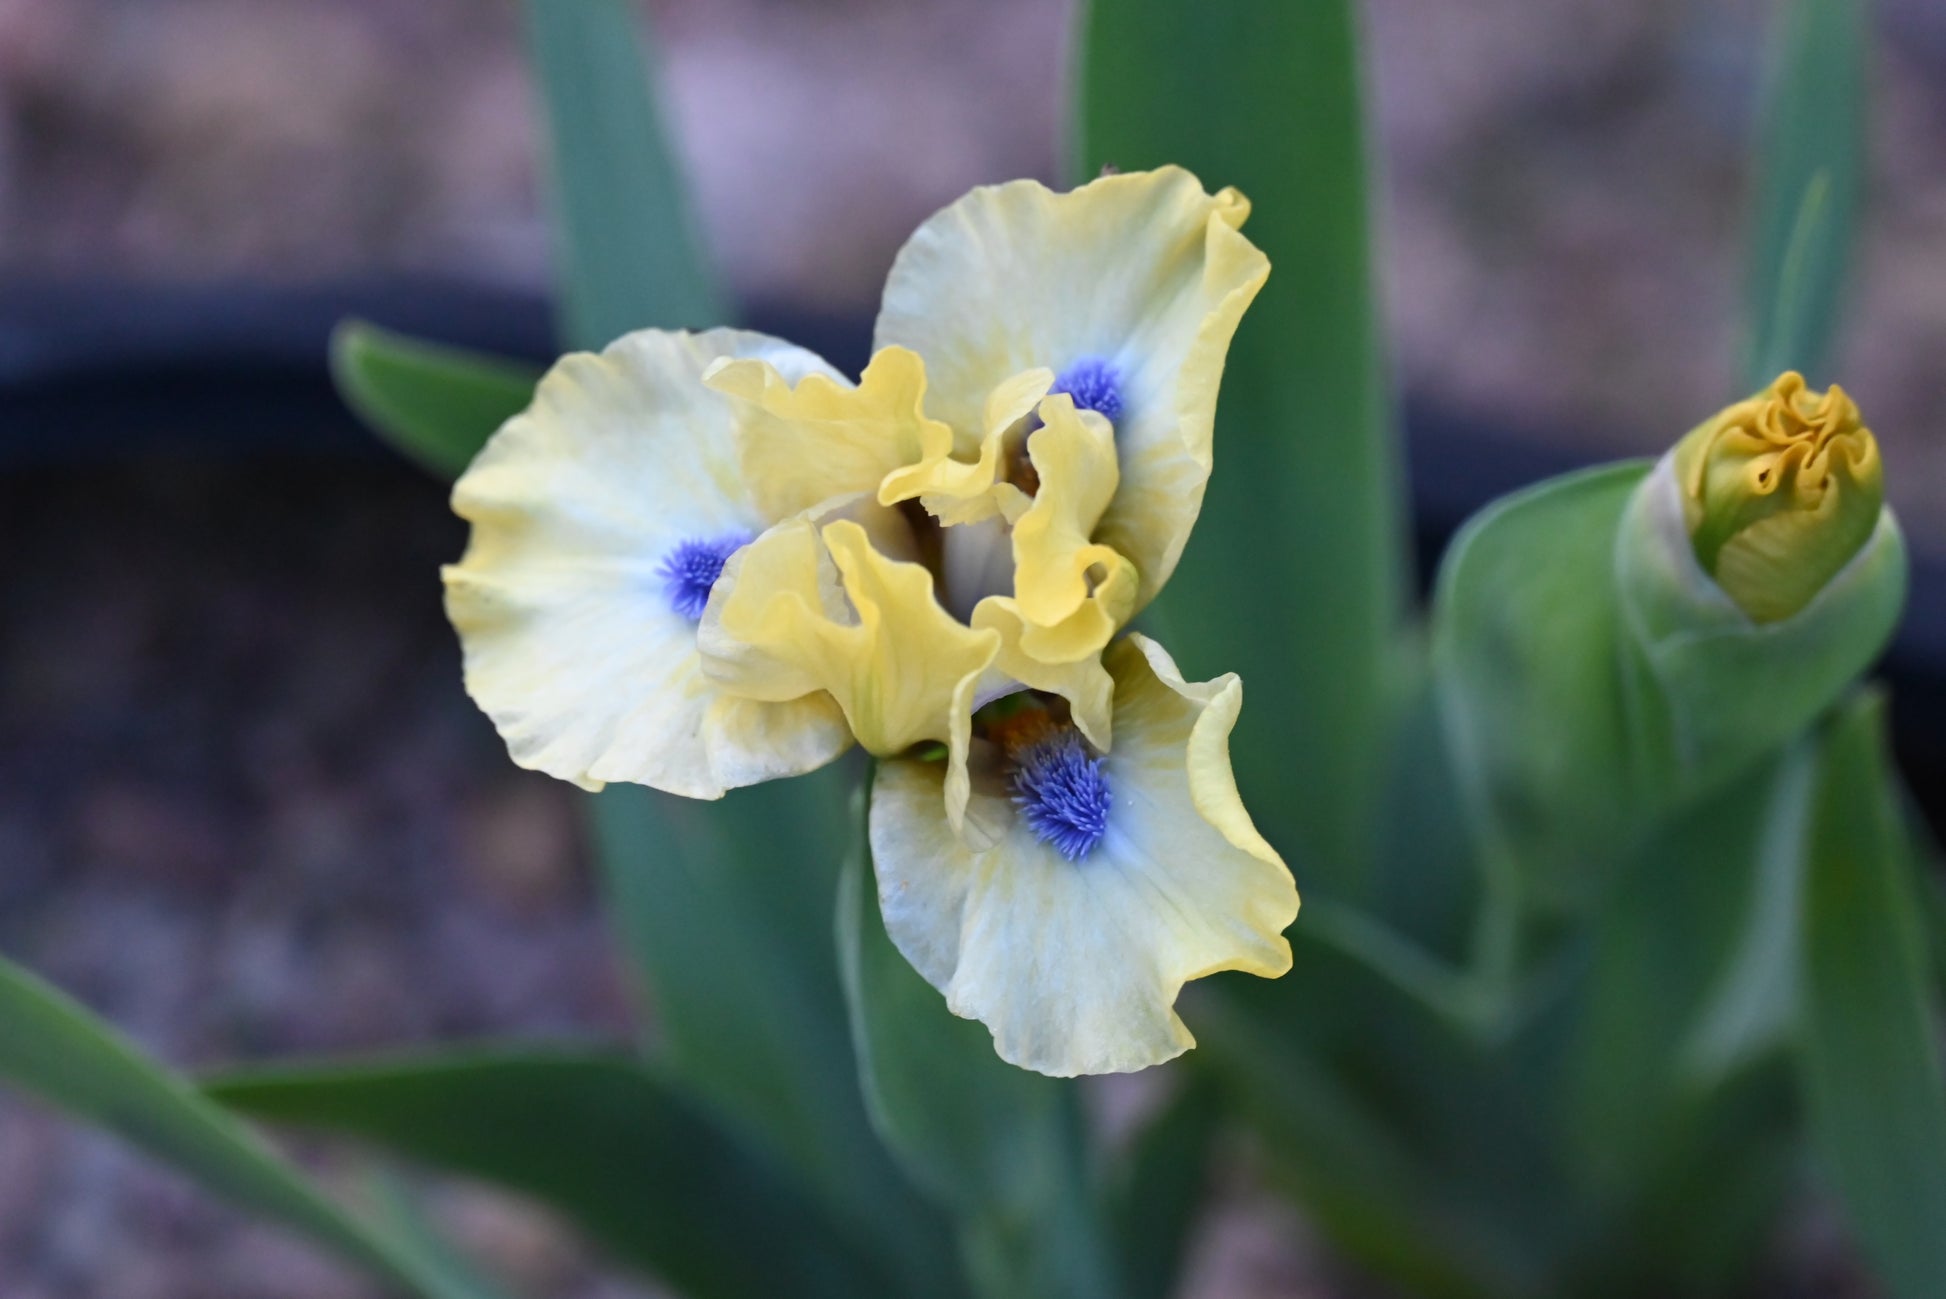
(1072, 594)
(1074, 961)
(801, 443)
(960, 493)
(812, 606)
(1129, 288)
(1083, 682)
(600, 515)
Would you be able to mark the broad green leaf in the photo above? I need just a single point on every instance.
(436, 404)
(626, 236)
(55, 1050)
(1810, 175)
(1868, 1039)
(1001, 1145)
(1161, 1188)
(647, 1174)
(725, 909)
(1528, 660)
(1296, 576)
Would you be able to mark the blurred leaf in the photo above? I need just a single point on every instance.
(1867, 1037)
(725, 908)
(647, 1174)
(433, 1254)
(55, 1050)
(1428, 877)
(1342, 1152)
(1528, 660)
(436, 404)
(627, 239)
(1296, 578)
(1682, 1153)
(1932, 899)
(1751, 1008)
(1001, 1145)
(1162, 1187)
(1810, 173)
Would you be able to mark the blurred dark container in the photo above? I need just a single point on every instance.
(104, 371)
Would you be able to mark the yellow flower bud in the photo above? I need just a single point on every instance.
(1779, 492)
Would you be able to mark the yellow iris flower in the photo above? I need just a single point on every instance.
(700, 561)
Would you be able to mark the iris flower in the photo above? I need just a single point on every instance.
(700, 561)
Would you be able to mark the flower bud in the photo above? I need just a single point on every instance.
(1779, 492)
(1760, 573)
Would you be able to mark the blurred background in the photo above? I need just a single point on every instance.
(245, 809)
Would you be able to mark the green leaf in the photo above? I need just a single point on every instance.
(55, 1050)
(1161, 1189)
(1932, 898)
(1750, 1009)
(436, 404)
(1296, 577)
(1331, 1140)
(1683, 1148)
(1001, 1145)
(648, 1175)
(1427, 881)
(1528, 659)
(725, 909)
(1868, 1046)
(1810, 175)
(627, 240)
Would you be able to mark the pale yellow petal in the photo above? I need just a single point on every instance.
(1075, 966)
(1144, 271)
(820, 608)
(1074, 594)
(959, 492)
(1082, 681)
(802, 445)
(571, 644)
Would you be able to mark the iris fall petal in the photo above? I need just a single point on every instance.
(1075, 965)
(572, 645)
